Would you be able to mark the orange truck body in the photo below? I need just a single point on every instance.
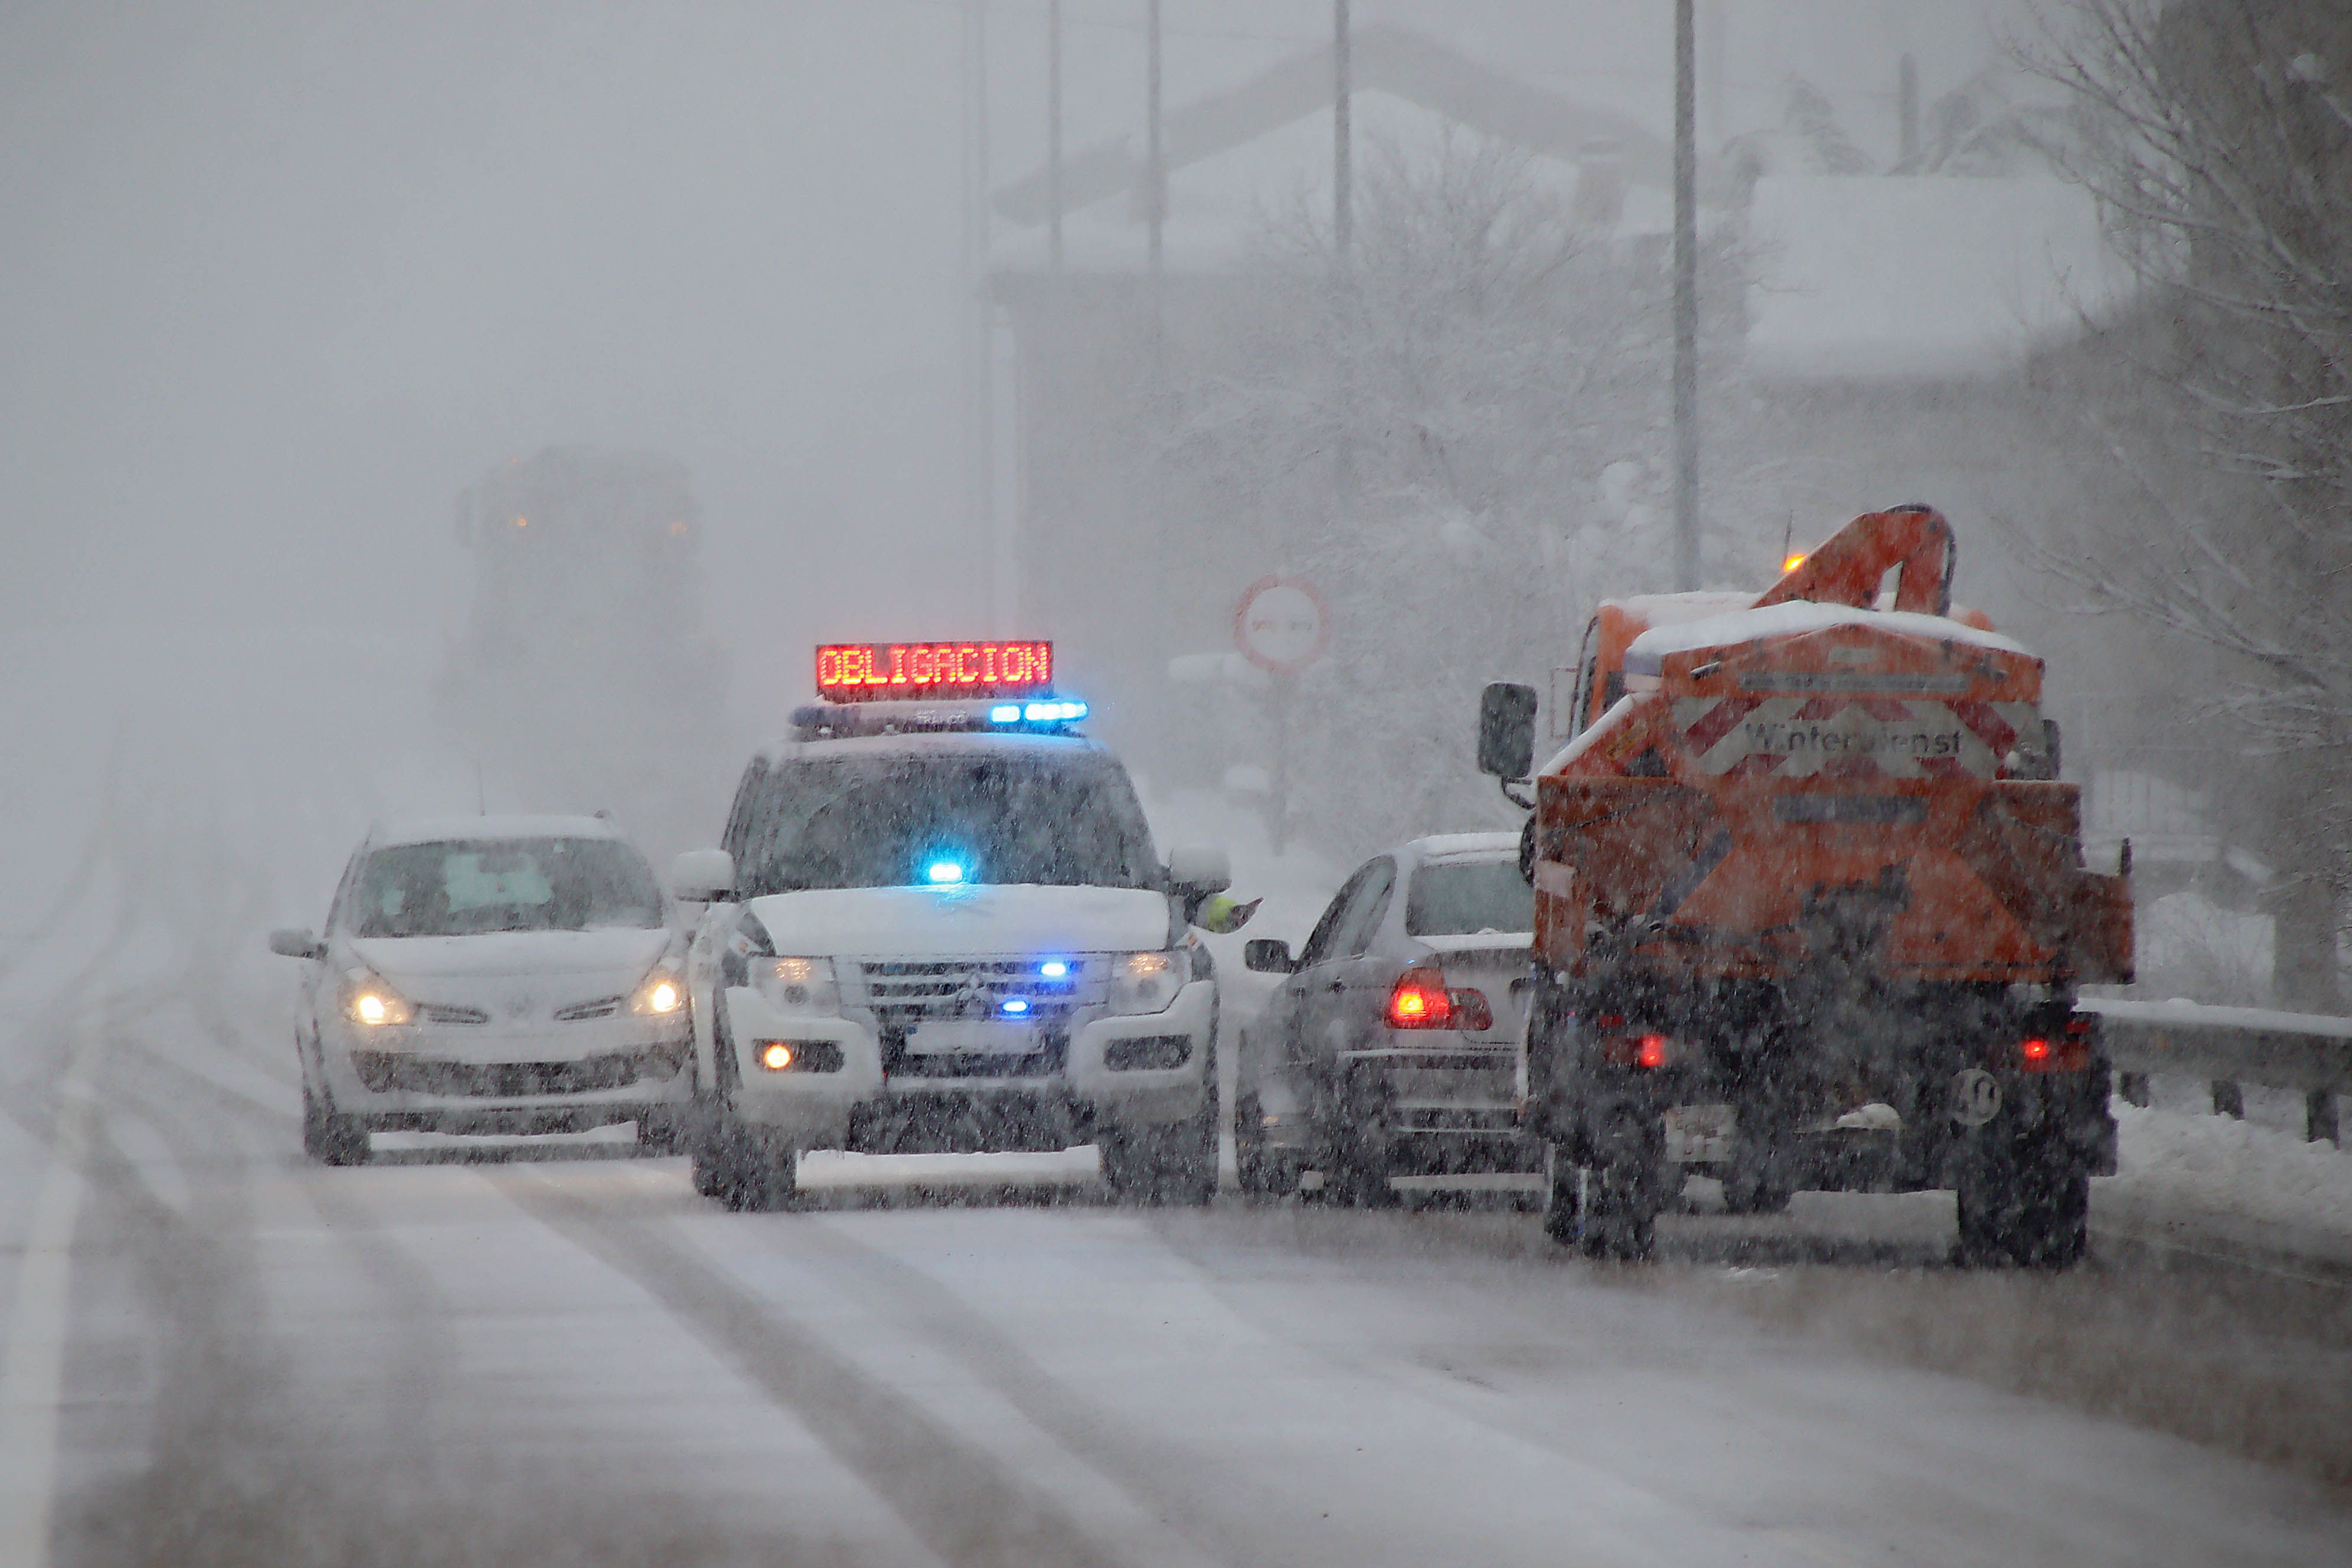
(1818, 785)
(1812, 908)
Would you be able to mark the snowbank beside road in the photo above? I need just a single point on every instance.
(2224, 1166)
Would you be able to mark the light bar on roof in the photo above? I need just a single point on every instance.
(868, 672)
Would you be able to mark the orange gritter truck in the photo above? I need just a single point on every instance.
(1812, 908)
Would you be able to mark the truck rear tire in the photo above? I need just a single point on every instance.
(1620, 1212)
(1175, 1165)
(2023, 1199)
(1564, 1198)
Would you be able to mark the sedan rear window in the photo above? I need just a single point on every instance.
(1464, 897)
(464, 888)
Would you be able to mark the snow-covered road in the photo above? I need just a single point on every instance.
(576, 1361)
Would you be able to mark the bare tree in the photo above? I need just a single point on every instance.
(1459, 434)
(2216, 137)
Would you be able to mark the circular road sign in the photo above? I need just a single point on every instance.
(1281, 624)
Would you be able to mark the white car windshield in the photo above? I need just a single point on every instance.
(466, 887)
(898, 820)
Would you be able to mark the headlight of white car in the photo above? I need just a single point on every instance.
(368, 1002)
(1145, 982)
(661, 995)
(798, 984)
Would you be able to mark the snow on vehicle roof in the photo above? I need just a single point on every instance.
(1451, 845)
(1674, 609)
(447, 829)
(1794, 617)
(953, 742)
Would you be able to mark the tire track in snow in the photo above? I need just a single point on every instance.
(960, 1500)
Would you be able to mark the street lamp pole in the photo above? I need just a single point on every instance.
(1685, 372)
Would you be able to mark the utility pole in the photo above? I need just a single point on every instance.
(1155, 172)
(1686, 391)
(1343, 115)
(1054, 127)
(979, 326)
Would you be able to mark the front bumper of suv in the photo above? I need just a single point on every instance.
(852, 1081)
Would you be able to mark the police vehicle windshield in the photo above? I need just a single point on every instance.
(901, 820)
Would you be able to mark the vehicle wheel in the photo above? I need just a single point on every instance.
(1620, 1211)
(742, 1165)
(1564, 1198)
(1755, 1186)
(1261, 1173)
(330, 1136)
(659, 1133)
(1163, 1165)
(2023, 1199)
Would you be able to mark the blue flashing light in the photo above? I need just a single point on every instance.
(1015, 1006)
(943, 873)
(1053, 969)
(1062, 712)
(1006, 713)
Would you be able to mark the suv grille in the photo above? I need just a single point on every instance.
(908, 991)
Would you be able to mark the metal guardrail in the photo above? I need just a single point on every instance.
(2229, 1047)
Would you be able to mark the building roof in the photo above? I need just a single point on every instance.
(1387, 60)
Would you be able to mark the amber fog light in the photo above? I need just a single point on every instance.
(776, 1055)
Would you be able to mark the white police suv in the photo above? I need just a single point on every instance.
(937, 923)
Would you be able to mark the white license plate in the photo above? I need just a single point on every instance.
(974, 1035)
(1698, 1135)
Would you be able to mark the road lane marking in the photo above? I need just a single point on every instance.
(32, 1377)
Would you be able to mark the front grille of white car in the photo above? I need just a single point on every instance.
(603, 1007)
(397, 1071)
(443, 1014)
(903, 992)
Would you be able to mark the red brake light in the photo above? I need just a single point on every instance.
(2034, 1050)
(1420, 1000)
(1650, 1051)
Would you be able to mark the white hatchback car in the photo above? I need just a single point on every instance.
(492, 974)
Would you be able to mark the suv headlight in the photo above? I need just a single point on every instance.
(662, 994)
(367, 1000)
(798, 984)
(1146, 981)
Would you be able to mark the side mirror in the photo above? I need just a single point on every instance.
(1197, 873)
(702, 876)
(1267, 956)
(1506, 730)
(296, 942)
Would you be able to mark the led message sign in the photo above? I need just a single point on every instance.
(870, 672)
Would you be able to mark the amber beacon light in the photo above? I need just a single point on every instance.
(867, 672)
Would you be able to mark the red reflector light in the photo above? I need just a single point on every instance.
(1637, 1048)
(2059, 1052)
(1608, 1020)
(1420, 1001)
(869, 672)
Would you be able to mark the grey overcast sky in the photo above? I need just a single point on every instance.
(278, 277)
